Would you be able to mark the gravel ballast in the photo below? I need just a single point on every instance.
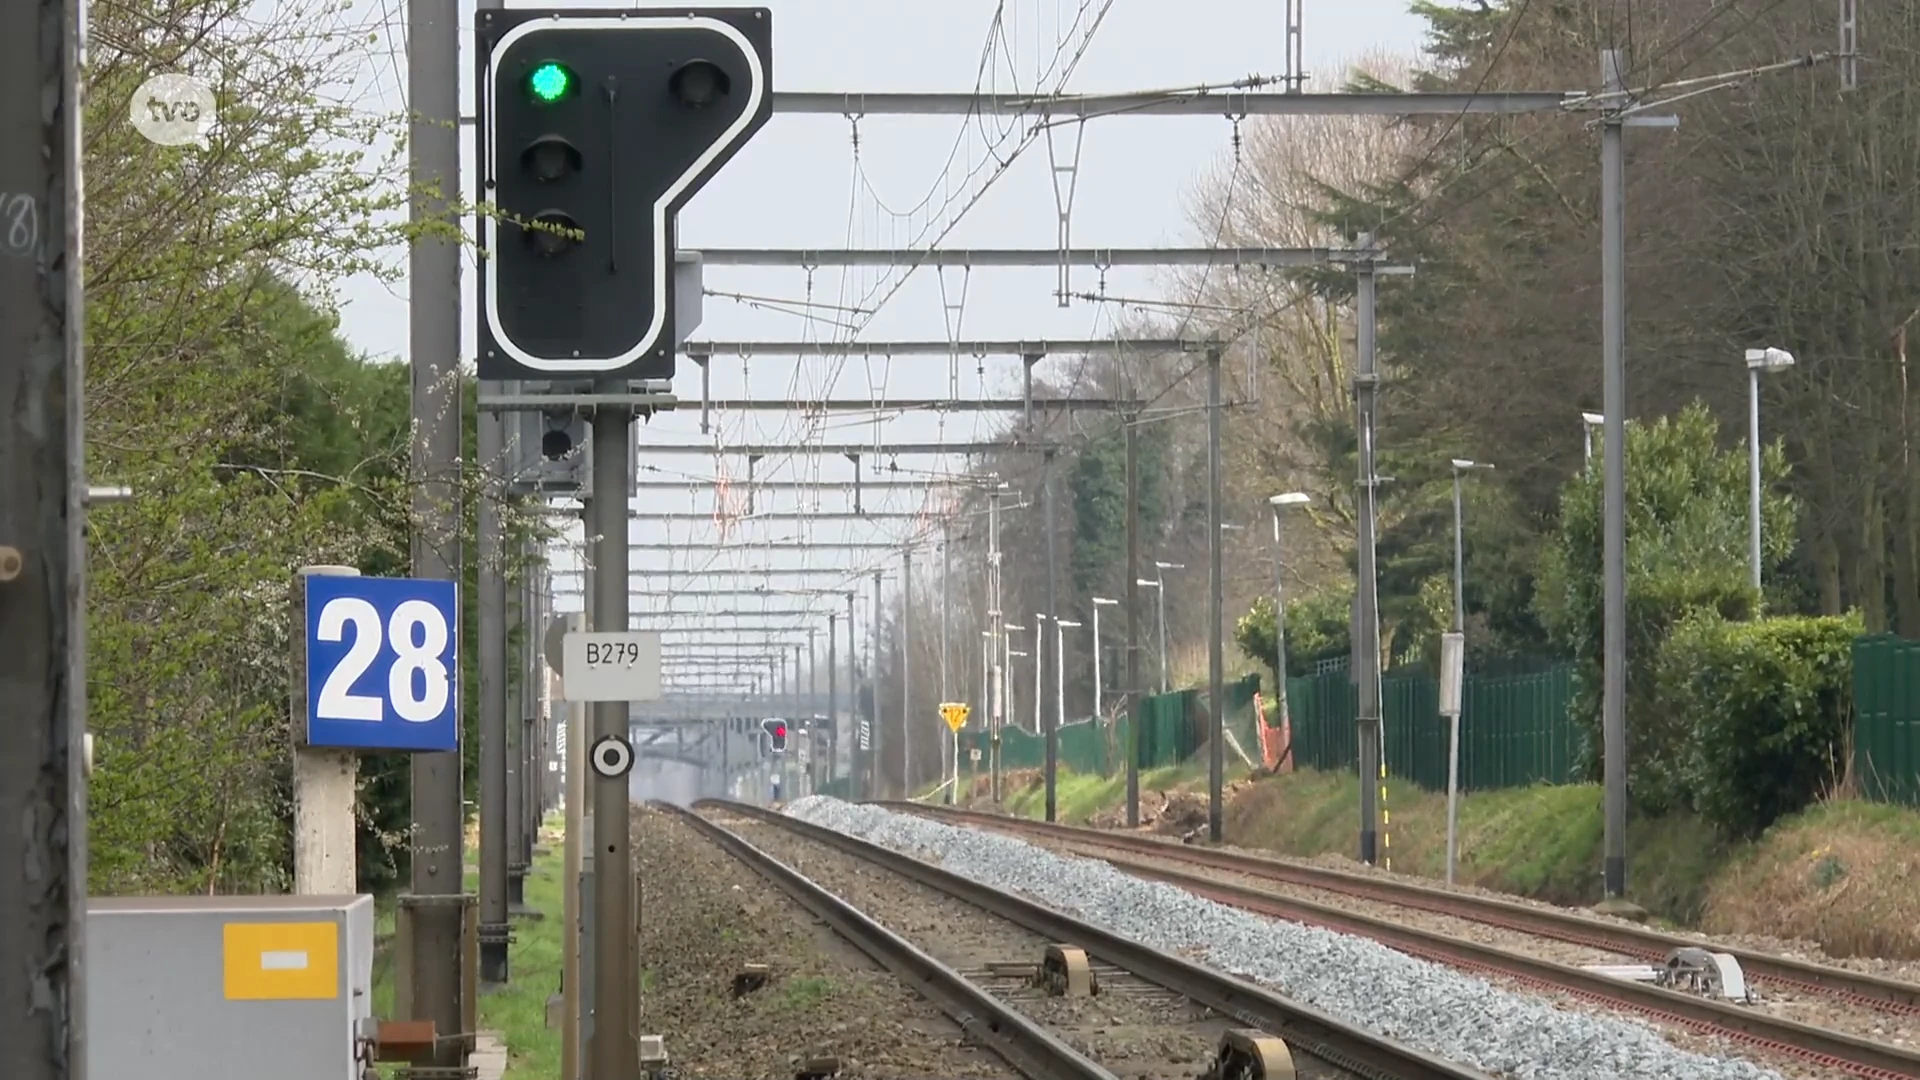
(705, 914)
(1132, 1028)
(1453, 1015)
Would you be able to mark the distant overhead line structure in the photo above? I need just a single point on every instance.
(770, 545)
(811, 258)
(1030, 351)
(696, 483)
(849, 449)
(1199, 101)
(783, 515)
(730, 572)
(701, 351)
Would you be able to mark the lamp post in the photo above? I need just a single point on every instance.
(1099, 704)
(1160, 587)
(1280, 503)
(1460, 465)
(1149, 583)
(1061, 626)
(1039, 651)
(1589, 421)
(1010, 629)
(1758, 361)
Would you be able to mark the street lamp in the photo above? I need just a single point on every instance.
(1159, 584)
(1099, 602)
(1460, 465)
(1007, 680)
(1457, 678)
(1279, 503)
(1589, 421)
(1061, 626)
(1039, 657)
(1758, 360)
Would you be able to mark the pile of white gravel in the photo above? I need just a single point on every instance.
(1458, 1017)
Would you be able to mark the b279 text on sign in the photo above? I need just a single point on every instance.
(613, 653)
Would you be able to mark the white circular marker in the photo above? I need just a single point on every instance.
(173, 110)
(612, 756)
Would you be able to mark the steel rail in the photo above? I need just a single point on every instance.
(1859, 987)
(1829, 1048)
(1303, 1027)
(1030, 1049)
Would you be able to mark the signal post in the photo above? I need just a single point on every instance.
(594, 127)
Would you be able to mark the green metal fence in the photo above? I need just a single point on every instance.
(1515, 730)
(1083, 747)
(1174, 728)
(1886, 725)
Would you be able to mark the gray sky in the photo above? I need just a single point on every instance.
(796, 185)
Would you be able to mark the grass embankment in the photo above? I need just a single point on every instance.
(1838, 873)
(518, 1011)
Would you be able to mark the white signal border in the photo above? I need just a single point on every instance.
(661, 270)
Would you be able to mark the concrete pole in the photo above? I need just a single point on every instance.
(613, 1053)
(833, 685)
(1753, 474)
(854, 749)
(1216, 613)
(1041, 657)
(491, 556)
(1134, 720)
(325, 847)
(1365, 660)
(518, 606)
(997, 683)
(950, 752)
(572, 1064)
(1613, 334)
(433, 271)
(43, 666)
(906, 674)
(874, 788)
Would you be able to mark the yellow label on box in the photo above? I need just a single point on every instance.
(282, 961)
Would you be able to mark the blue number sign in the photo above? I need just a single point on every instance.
(382, 663)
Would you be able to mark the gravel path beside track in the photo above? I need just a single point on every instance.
(1137, 1030)
(704, 915)
(1457, 1016)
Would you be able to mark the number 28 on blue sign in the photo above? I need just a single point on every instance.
(382, 663)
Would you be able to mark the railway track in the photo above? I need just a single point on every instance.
(1817, 1045)
(1262, 1015)
(1029, 1048)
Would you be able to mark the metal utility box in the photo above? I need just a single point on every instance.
(196, 987)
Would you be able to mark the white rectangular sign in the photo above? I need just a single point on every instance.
(611, 666)
(1453, 656)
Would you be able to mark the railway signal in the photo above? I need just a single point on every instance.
(776, 735)
(596, 127)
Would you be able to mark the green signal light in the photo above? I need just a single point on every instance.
(550, 82)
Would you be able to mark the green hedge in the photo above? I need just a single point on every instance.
(1765, 705)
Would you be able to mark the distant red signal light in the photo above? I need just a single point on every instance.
(779, 731)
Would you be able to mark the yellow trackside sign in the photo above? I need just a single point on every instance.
(954, 713)
(282, 961)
